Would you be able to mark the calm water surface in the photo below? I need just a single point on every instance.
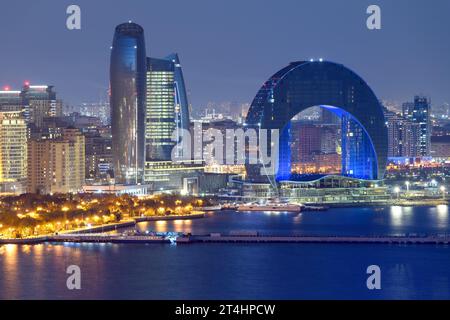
(244, 271)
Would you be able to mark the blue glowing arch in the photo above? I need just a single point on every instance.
(305, 84)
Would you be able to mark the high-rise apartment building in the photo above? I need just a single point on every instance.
(56, 165)
(13, 152)
(403, 136)
(421, 115)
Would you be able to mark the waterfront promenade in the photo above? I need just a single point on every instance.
(101, 228)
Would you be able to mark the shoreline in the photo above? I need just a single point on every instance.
(194, 215)
(104, 228)
(401, 203)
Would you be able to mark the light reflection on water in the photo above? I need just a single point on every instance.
(165, 226)
(442, 214)
(343, 221)
(262, 271)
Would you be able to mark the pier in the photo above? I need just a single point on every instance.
(255, 238)
(108, 238)
(234, 237)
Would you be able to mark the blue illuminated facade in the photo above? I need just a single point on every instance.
(128, 91)
(332, 86)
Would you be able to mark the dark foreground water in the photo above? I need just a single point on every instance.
(244, 271)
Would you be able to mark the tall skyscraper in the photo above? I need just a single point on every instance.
(127, 101)
(13, 151)
(167, 106)
(56, 165)
(167, 113)
(421, 115)
(403, 136)
(160, 111)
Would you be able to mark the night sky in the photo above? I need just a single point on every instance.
(228, 48)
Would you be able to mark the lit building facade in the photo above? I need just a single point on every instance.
(440, 146)
(160, 109)
(167, 113)
(11, 100)
(403, 136)
(167, 109)
(421, 115)
(306, 141)
(13, 152)
(98, 156)
(99, 110)
(127, 102)
(56, 165)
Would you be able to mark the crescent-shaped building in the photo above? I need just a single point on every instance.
(305, 84)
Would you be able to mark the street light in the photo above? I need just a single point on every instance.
(407, 186)
(443, 189)
(397, 191)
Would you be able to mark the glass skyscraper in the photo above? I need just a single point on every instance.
(160, 109)
(128, 92)
(167, 109)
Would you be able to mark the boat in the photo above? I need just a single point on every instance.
(210, 208)
(270, 207)
(229, 206)
(315, 208)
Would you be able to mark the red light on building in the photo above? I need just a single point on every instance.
(6, 88)
(27, 83)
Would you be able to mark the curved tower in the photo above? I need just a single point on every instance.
(167, 107)
(128, 91)
(181, 101)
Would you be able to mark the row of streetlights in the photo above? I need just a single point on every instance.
(397, 190)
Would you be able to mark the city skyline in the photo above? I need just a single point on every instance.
(246, 58)
(225, 150)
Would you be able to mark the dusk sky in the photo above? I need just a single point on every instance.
(229, 48)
